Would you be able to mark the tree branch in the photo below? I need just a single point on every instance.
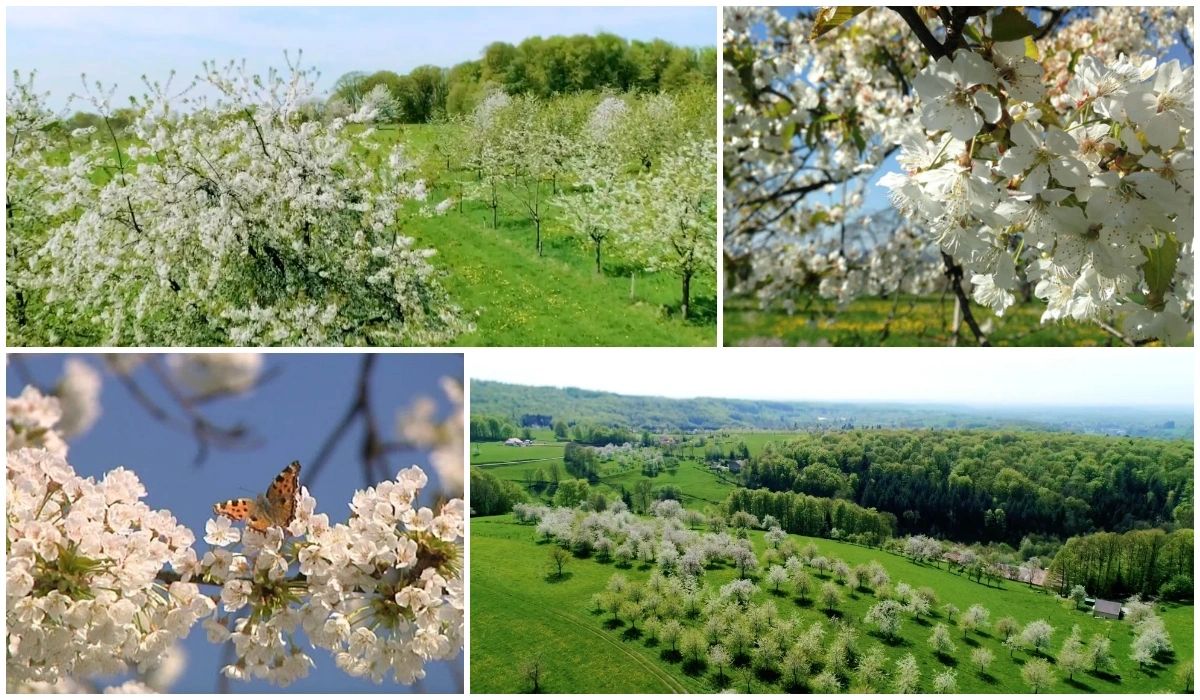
(954, 273)
(926, 37)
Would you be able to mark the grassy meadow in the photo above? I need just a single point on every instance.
(519, 612)
(519, 299)
(906, 321)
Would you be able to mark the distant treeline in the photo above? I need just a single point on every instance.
(492, 428)
(659, 414)
(491, 495)
(979, 485)
(1147, 562)
(802, 514)
(541, 67)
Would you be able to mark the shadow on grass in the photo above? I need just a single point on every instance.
(670, 655)
(631, 634)
(1079, 685)
(970, 642)
(613, 623)
(896, 641)
(558, 578)
(947, 659)
(694, 667)
(767, 675)
(987, 678)
(1105, 676)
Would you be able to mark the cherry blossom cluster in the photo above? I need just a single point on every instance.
(84, 595)
(1031, 163)
(233, 220)
(100, 584)
(383, 592)
(1091, 203)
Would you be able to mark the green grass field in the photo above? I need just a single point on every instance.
(519, 299)
(700, 485)
(518, 612)
(908, 321)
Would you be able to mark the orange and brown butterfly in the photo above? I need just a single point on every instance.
(276, 507)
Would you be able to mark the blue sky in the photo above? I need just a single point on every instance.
(292, 414)
(119, 45)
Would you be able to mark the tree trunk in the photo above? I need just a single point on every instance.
(537, 226)
(597, 255)
(632, 276)
(687, 293)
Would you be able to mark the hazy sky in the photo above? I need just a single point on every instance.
(120, 44)
(997, 376)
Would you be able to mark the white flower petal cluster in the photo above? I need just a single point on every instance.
(30, 419)
(1093, 204)
(210, 374)
(234, 221)
(1003, 147)
(952, 95)
(382, 591)
(79, 397)
(84, 596)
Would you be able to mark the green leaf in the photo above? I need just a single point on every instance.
(1011, 25)
(1159, 270)
(973, 33)
(789, 133)
(1031, 49)
(780, 109)
(857, 137)
(830, 18)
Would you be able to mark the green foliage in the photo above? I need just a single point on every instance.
(493, 496)
(1011, 24)
(810, 515)
(540, 67)
(946, 482)
(1144, 562)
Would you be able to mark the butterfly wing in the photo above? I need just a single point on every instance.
(283, 494)
(235, 508)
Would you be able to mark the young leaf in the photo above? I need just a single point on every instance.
(830, 18)
(1159, 270)
(1011, 25)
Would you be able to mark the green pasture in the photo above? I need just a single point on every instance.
(519, 612)
(904, 321)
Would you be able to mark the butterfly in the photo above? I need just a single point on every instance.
(276, 507)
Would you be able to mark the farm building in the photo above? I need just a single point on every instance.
(518, 442)
(1110, 609)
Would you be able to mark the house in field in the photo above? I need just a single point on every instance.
(1109, 609)
(518, 442)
